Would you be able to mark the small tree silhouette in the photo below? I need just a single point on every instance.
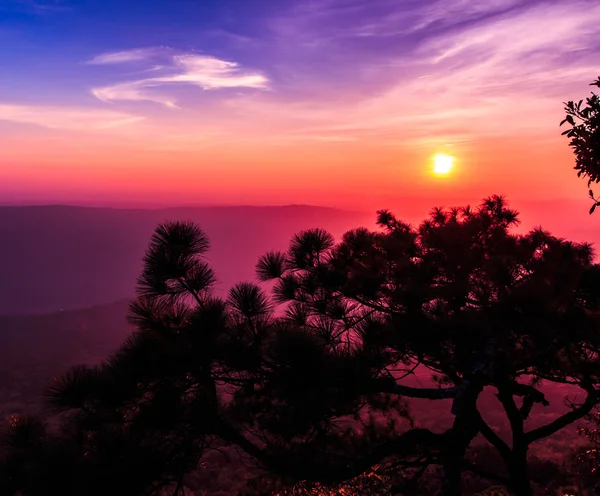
(316, 389)
(585, 138)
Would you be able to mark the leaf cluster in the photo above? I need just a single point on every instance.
(583, 117)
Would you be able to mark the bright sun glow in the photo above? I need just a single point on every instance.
(442, 164)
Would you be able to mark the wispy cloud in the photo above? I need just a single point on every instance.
(206, 72)
(444, 14)
(465, 70)
(68, 118)
(128, 56)
(385, 18)
(457, 69)
(405, 72)
(39, 7)
(142, 90)
(549, 30)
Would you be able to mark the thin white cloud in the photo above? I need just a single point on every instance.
(141, 90)
(206, 72)
(127, 56)
(211, 73)
(69, 118)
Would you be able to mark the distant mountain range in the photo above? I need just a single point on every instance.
(65, 257)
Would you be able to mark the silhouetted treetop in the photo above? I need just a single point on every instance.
(173, 264)
(462, 277)
(584, 134)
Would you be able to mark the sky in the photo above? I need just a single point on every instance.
(328, 102)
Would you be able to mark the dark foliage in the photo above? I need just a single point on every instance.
(584, 134)
(465, 298)
(317, 389)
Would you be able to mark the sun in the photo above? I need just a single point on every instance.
(442, 164)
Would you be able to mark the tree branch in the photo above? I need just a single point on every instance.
(300, 467)
(566, 419)
(515, 417)
(190, 291)
(387, 385)
(530, 396)
(493, 438)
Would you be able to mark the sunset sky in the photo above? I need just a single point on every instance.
(329, 102)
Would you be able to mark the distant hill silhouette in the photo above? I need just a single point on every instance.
(64, 257)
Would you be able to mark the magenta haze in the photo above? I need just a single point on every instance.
(57, 257)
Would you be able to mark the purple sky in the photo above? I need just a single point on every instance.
(246, 101)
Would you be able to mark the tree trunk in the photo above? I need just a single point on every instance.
(516, 458)
(452, 475)
(519, 473)
(463, 431)
(461, 436)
